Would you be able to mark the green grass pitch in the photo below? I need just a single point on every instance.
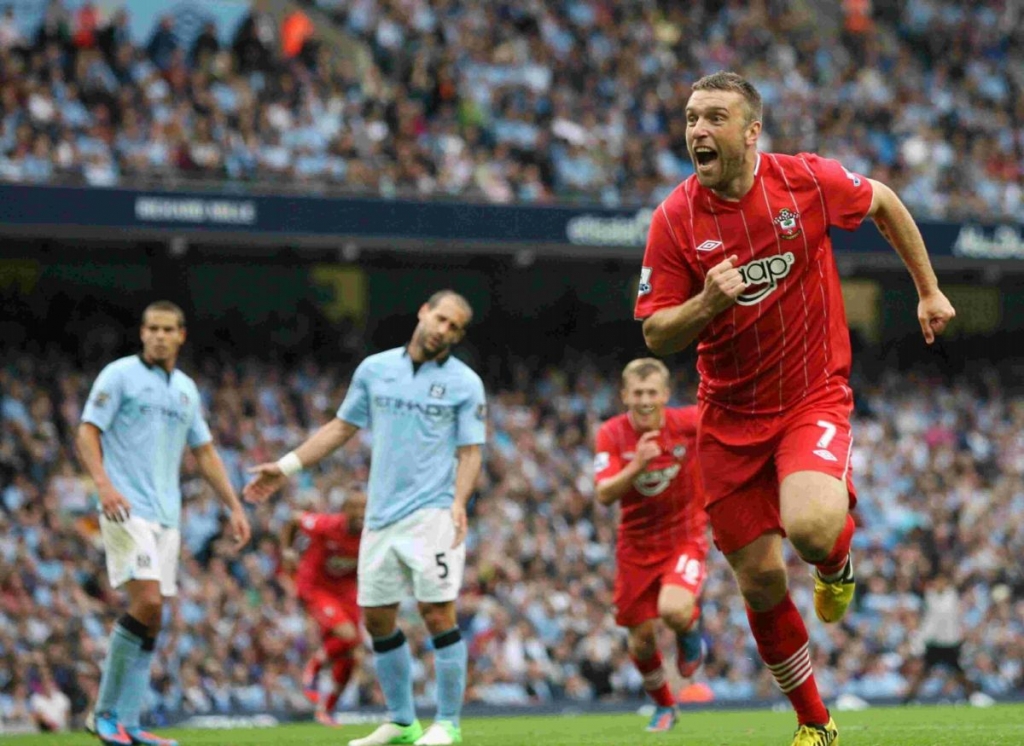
(915, 726)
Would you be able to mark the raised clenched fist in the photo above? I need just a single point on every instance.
(723, 285)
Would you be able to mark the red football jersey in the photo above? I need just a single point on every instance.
(664, 508)
(329, 562)
(786, 336)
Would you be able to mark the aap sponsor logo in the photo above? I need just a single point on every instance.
(656, 481)
(763, 276)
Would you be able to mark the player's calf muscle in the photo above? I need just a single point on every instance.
(642, 642)
(762, 587)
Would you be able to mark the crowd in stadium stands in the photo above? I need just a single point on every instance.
(939, 475)
(534, 102)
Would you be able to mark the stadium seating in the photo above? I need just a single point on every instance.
(576, 100)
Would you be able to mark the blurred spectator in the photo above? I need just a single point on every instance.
(50, 707)
(570, 101)
(10, 34)
(296, 30)
(86, 22)
(254, 45)
(205, 47)
(163, 44)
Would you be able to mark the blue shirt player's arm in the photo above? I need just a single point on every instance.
(356, 408)
(105, 398)
(199, 431)
(471, 424)
(353, 414)
(99, 414)
(471, 433)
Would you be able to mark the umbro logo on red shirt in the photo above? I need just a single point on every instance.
(709, 246)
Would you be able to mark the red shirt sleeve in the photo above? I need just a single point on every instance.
(322, 524)
(666, 279)
(607, 460)
(847, 195)
(687, 417)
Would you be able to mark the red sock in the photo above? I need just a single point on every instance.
(654, 679)
(836, 560)
(782, 642)
(341, 672)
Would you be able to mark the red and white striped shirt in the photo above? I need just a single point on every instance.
(786, 337)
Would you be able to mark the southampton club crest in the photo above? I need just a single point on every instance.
(787, 222)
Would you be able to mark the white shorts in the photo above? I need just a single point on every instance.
(141, 550)
(411, 556)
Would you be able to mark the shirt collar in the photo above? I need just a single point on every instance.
(151, 366)
(439, 360)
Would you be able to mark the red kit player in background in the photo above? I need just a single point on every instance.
(739, 258)
(645, 459)
(326, 584)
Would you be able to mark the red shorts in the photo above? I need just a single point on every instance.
(330, 609)
(744, 458)
(637, 586)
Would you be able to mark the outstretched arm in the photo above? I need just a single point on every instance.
(896, 224)
(271, 476)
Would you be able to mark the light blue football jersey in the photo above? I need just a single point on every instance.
(418, 416)
(147, 417)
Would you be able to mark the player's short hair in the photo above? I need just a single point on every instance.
(730, 81)
(643, 367)
(440, 295)
(168, 307)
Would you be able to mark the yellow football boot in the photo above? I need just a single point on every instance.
(817, 735)
(831, 600)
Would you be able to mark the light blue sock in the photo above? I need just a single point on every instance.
(394, 672)
(129, 706)
(450, 657)
(125, 641)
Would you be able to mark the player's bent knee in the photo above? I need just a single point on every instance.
(679, 617)
(346, 631)
(814, 536)
(813, 509)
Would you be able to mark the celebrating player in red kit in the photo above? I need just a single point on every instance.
(326, 584)
(739, 258)
(645, 459)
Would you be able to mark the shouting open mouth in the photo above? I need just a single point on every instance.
(705, 157)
